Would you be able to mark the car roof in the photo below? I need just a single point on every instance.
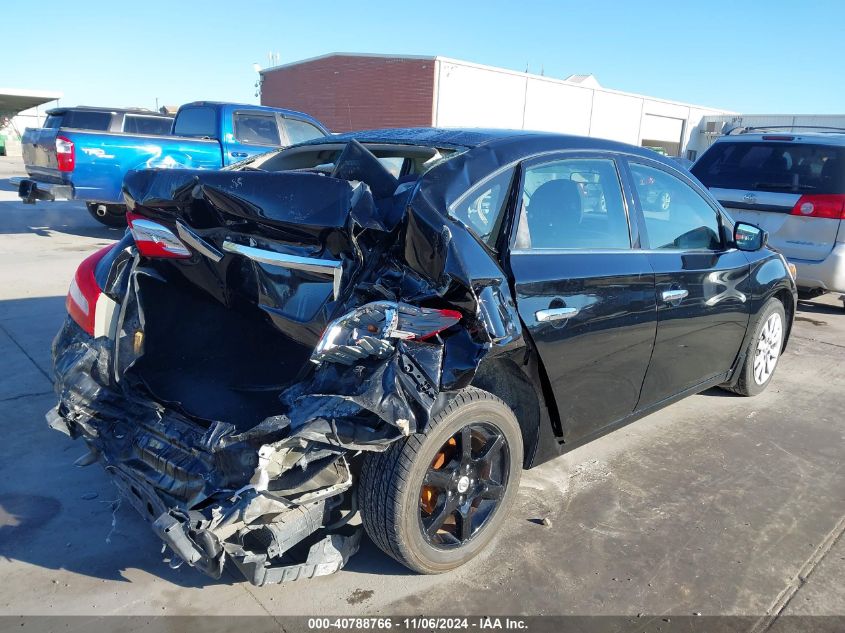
(524, 142)
(143, 111)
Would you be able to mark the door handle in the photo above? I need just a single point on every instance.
(671, 296)
(555, 314)
(239, 154)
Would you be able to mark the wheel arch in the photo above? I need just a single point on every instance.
(786, 297)
(518, 387)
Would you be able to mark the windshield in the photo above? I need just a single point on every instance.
(773, 166)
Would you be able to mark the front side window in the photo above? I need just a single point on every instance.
(196, 122)
(256, 129)
(676, 215)
(575, 203)
(482, 210)
(300, 131)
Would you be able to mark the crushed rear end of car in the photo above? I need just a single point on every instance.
(252, 334)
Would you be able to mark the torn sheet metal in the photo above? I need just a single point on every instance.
(319, 314)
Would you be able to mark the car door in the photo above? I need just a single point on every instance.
(583, 290)
(254, 132)
(702, 284)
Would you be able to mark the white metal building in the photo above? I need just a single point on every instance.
(472, 94)
(350, 91)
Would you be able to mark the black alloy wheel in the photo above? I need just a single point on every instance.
(464, 485)
(436, 499)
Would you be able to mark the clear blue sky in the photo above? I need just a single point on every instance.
(748, 56)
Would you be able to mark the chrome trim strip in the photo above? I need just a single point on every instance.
(614, 251)
(330, 267)
(555, 314)
(192, 239)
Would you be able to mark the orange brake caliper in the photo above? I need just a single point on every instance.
(428, 496)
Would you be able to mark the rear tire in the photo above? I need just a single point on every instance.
(763, 351)
(114, 215)
(406, 490)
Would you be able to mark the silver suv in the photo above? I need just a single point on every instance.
(793, 186)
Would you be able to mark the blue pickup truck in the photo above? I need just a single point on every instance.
(64, 162)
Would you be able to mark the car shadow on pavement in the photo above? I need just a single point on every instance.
(6, 185)
(813, 307)
(47, 219)
(720, 393)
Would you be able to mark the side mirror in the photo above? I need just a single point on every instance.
(748, 237)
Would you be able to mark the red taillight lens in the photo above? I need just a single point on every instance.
(424, 327)
(65, 153)
(831, 206)
(83, 293)
(154, 239)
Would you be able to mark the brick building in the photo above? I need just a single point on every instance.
(354, 92)
(349, 91)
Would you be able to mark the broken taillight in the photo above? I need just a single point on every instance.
(65, 154)
(154, 239)
(370, 329)
(84, 292)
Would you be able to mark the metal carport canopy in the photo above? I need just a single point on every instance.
(13, 101)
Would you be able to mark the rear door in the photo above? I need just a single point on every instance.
(583, 289)
(702, 285)
(762, 181)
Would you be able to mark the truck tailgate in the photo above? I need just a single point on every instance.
(39, 154)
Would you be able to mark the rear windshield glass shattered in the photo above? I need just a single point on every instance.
(772, 166)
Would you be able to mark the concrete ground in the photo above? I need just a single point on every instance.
(716, 505)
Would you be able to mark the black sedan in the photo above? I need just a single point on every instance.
(384, 328)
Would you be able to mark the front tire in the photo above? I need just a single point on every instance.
(763, 352)
(113, 215)
(434, 500)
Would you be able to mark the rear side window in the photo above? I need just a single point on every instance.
(300, 131)
(482, 210)
(773, 166)
(53, 121)
(573, 203)
(139, 124)
(676, 215)
(256, 129)
(196, 122)
(86, 120)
